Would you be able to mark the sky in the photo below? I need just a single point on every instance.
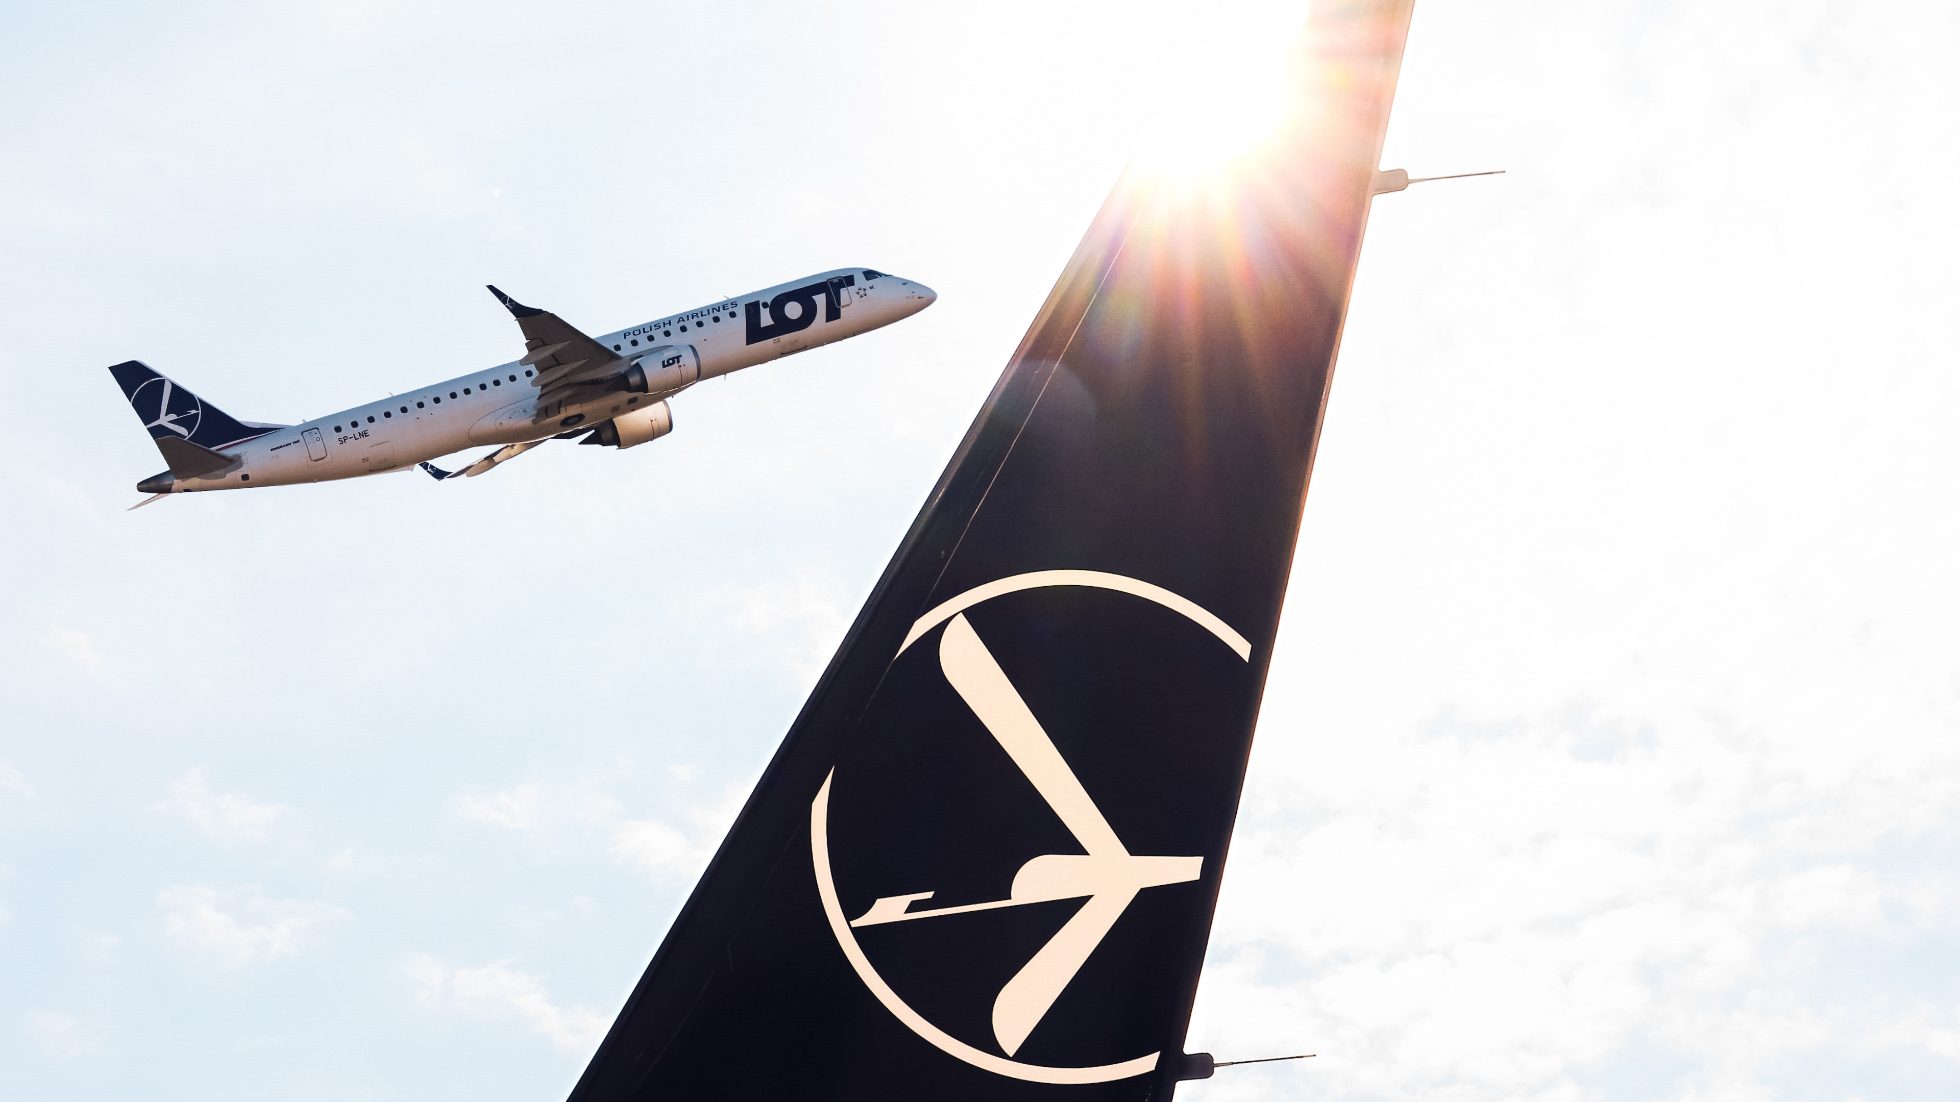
(1612, 743)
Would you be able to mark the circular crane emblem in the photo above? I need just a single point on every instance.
(1104, 875)
(166, 407)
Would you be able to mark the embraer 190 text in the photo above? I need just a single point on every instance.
(610, 390)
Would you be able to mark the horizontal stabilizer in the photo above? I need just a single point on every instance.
(188, 460)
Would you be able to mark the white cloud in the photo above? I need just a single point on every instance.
(1924, 1030)
(531, 806)
(673, 848)
(237, 927)
(1484, 910)
(60, 1037)
(78, 649)
(101, 948)
(501, 991)
(14, 786)
(221, 816)
(800, 617)
(518, 808)
(656, 847)
(678, 853)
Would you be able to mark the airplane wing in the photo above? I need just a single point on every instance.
(502, 455)
(567, 360)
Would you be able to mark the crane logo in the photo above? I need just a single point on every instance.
(1105, 875)
(167, 407)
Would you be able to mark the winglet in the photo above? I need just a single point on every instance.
(516, 308)
(434, 471)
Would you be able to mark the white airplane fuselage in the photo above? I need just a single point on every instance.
(500, 405)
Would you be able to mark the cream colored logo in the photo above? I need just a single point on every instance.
(1106, 874)
(167, 418)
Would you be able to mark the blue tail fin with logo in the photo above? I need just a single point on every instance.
(170, 411)
(982, 865)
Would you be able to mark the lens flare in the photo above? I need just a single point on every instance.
(1227, 100)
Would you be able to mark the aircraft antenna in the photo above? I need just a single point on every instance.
(1200, 1065)
(1455, 176)
(1261, 1060)
(1396, 179)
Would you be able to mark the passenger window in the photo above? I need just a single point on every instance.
(496, 382)
(683, 328)
(370, 418)
(452, 395)
(336, 428)
(385, 413)
(615, 348)
(717, 319)
(635, 342)
(466, 390)
(513, 378)
(418, 405)
(528, 373)
(437, 399)
(668, 332)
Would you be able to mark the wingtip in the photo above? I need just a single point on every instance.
(516, 308)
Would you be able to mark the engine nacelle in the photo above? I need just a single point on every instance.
(630, 430)
(664, 370)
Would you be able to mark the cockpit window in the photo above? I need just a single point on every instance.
(872, 273)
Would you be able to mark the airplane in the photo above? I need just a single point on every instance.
(611, 390)
(983, 862)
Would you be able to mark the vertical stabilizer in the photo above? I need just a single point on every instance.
(171, 412)
(984, 861)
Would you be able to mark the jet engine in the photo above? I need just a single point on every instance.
(664, 370)
(629, 430)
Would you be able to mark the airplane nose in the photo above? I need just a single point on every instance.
(925, 295)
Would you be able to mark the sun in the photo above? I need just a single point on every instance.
(1226, 100)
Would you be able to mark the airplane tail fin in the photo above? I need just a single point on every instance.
(983, 862)
(171, 412)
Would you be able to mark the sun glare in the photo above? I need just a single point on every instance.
(1221, 107)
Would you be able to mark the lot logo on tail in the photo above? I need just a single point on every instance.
(1106, 875)
(167, 408)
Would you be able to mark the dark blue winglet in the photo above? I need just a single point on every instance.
(436, 472)
(516, 308)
